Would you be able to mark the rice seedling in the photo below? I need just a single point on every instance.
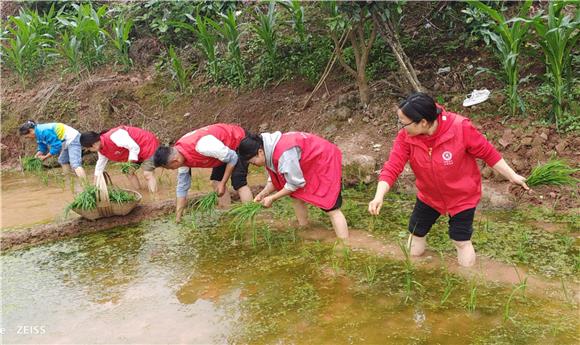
(206, 204)
(267, 235)
(85, 200)
(121, 196)
(127, 168)
(521, 286)
(371, 270)
(472, 302)
(408, 269)
(450, 284)
(554, 172)
(32, 164)
(244, 215)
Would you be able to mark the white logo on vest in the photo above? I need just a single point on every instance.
(447, 158)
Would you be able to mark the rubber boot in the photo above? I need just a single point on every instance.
(417, 245)
(465, 253)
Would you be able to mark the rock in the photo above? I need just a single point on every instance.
(561, 147)
(544, 136)
(364, 161)
(263, 127)
(507, 138)
(444, 70)
(330, 129)
(526, 141)
(342, 113)
(187, 115)
(366, 119)
(4, 153)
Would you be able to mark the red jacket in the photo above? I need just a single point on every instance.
(230, 135)
(146, 140)
(446, 172)
(321, 164)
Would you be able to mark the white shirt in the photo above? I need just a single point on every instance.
(69, 135)
(211, 146)
(122, 139)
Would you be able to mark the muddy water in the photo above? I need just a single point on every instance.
(162, 283)
(28, 199)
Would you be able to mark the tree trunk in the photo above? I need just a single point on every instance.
(363, 89)
(388, 32)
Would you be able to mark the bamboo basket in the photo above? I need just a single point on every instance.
(106, 208)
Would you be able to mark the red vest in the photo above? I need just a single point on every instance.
(321, 164)
(230, 135)
(146, 140)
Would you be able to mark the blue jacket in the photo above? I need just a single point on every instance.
(49, 135)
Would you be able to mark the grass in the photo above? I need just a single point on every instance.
(554, 172)
(127, 167)
(32, 164)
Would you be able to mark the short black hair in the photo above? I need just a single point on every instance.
(26, 127)
(161, 156)
(249, 146)
(89, 138)
(418, 106)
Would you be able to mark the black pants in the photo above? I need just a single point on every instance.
(239, 175)
(337, 204)
(424, 216)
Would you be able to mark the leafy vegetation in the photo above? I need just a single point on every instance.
(32, 164)
(554, 172)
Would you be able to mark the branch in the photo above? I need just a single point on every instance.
(340, 56)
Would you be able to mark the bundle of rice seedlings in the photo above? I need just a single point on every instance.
(121, 196)
(85, 200)
(127, 167)
(207, 204)
(32, 164)
(244, 213)
(554, 172)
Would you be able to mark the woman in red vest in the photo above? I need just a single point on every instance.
(302, 165)
(213, 147)
(125, 144)
(441, 148)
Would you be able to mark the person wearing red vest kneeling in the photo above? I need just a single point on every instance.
(124, 144)
(302, 165)
(441, 148)
(213, 146)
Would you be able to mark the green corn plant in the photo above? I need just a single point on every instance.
(554, 172)
(558, 36)
(178, 73)
(69, 48)
(228, 30)
(266, 30)
(21, 47)
(508, 36)
(120, 39)
(297, 11)
(86, 25)
(207, 41)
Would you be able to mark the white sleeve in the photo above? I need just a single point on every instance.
(121, 138)
(211, 146)
(101, 164)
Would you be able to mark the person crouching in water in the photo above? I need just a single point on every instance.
(441, 148)
(213, 146)
(125, 144)
(57, 139)
(305, 167)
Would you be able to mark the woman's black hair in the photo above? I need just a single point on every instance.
(161, 156)
(249, 146)
(26, 127)
(89, 138)
(418, 106)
